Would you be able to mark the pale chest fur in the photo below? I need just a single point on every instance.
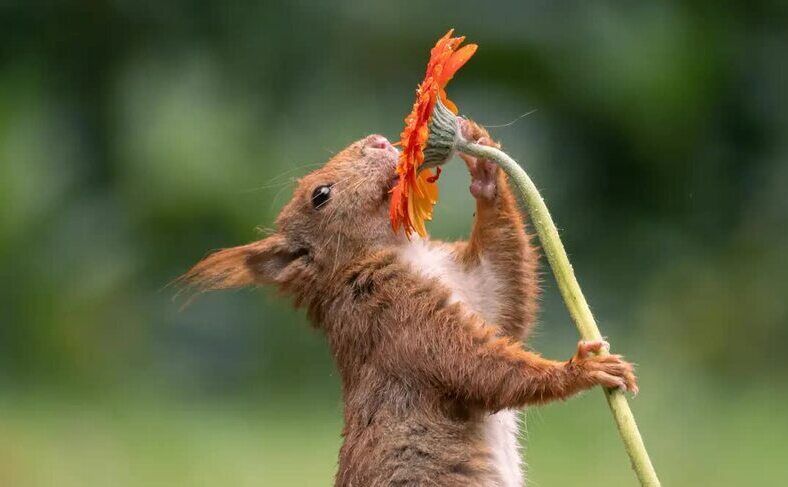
(477, 288)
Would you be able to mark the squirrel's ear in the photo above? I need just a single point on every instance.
(261, 262)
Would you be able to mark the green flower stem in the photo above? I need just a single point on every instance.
(573, 296)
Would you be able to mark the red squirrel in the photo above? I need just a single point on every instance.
(427, 335)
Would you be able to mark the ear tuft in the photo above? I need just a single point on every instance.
(255, 263)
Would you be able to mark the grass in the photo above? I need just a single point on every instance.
(701, 439)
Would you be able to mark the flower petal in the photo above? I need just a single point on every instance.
(416, 193)
(456, 61)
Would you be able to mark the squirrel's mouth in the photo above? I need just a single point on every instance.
(389, 186)
(393, 182)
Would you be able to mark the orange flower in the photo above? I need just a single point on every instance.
(416, 192)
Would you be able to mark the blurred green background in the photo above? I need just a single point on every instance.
(136, 136)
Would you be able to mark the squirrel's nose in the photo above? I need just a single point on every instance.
(377, 142)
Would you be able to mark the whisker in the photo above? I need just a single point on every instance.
(331, 216)
(336, 253)
(351, 187)
(275, 198)
(508, 124)
(266, 186)
(341, 191)
(277, 180)
(279, 192)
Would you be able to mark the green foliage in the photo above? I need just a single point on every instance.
(135, 137)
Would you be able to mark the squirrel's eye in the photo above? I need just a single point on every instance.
(321, 195)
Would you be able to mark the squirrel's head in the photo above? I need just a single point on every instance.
(337, 213)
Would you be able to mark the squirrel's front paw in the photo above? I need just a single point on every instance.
(484, 178)
(484, 173)
(606, 370)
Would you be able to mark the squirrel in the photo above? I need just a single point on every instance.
(427, 335)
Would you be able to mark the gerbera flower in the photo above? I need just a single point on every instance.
(416, 192)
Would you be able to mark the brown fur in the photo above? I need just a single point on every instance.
(419, 372)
